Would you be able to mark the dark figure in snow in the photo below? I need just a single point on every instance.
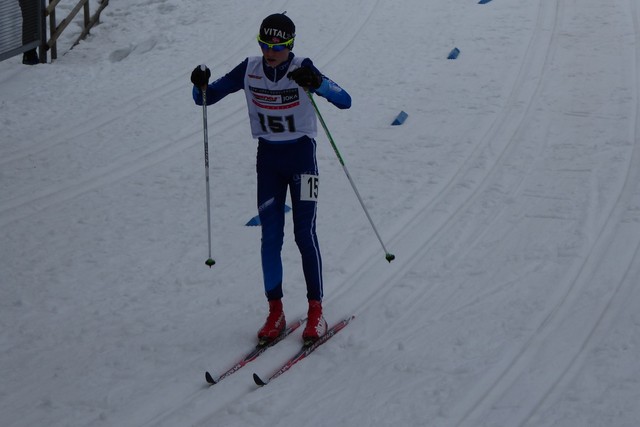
(29, 29)
(283, 121)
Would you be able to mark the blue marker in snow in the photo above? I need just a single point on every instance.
(454, 53)
(400, 119)
(255, 221)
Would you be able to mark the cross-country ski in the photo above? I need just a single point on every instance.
(253, 355)
(306, 350)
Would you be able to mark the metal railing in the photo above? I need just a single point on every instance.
(20, 26)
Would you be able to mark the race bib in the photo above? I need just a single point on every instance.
(309, 188)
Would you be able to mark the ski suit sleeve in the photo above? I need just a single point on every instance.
(231, 82)
(329, 89)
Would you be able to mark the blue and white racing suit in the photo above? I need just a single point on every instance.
(284, 122)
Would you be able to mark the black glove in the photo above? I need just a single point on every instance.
(306, 77)
(200, 77)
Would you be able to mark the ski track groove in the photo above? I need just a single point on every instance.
(554, 316)
(24, 206)
(559, 312)
(424, 212)
(469, 408)
(340, 43)
(608, 232)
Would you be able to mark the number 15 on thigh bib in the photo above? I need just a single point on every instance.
(309, 188)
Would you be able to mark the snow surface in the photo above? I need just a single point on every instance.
(510, 196)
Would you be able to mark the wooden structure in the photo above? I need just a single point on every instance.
(55, 30)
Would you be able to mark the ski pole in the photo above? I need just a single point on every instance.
(388, 256)
(210, 262)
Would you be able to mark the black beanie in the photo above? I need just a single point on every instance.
(277, 28)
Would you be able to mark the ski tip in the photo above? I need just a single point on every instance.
(259, 382)
(348, 319)
(209, 378)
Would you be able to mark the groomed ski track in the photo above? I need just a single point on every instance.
(510, 197)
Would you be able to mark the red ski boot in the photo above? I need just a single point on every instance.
(275, 323)
(316, 325)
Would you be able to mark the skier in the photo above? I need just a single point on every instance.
(283, 121)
